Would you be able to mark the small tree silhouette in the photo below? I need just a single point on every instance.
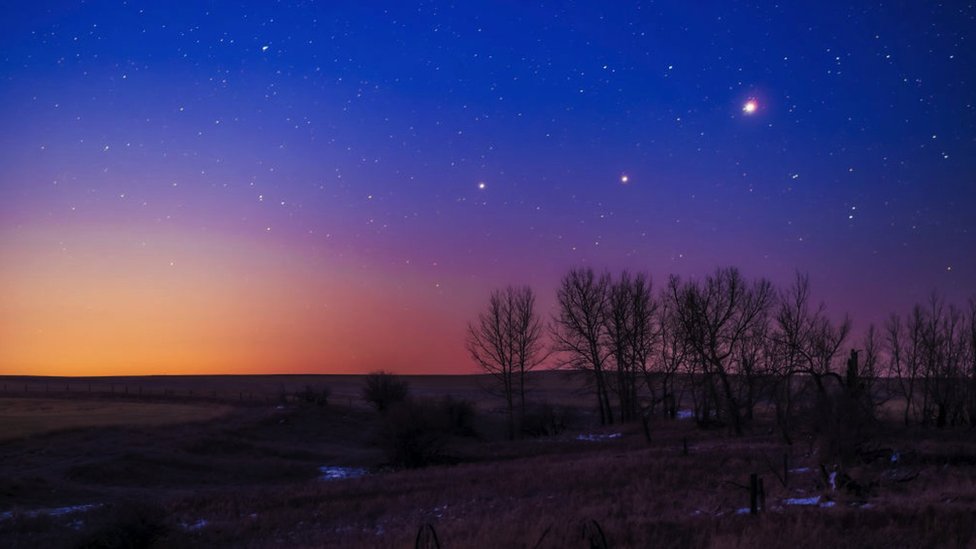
(383, 389)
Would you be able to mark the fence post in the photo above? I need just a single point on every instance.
(427, 538)
(762, 495)
(786, 469)
(753, 494)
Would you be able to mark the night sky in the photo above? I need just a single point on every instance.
(293, 187)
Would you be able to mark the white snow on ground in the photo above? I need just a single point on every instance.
(802, 501)
(328, 472)
(53, 512)
(597, 437)
(742, 511)
(800, 470)
(685, 414)
(191, 526)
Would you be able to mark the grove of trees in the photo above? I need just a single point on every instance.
(726, 346)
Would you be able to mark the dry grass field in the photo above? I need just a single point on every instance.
(112, 470)
(23, 417)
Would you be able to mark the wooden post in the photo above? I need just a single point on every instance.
(786, 469)
(762, 495)
(753, 494)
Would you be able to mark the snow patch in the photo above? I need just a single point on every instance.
(52, 512)
(595, 437)
(800, 470)
(193, 526)
(815, 500)
(329, 472)
(685, 414)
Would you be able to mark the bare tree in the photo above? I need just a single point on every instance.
(805, 343)
(970, 332)
(506, 342)
(871, 371)
(716, 315)
(579, 330)
(630, 336)
(903, 342)
(383, 389)
(670, 359)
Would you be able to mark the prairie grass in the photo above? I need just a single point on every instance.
(248, 477)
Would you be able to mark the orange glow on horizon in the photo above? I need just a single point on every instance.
(99, 301)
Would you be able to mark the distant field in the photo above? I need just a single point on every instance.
(556, 387)
(21, 417)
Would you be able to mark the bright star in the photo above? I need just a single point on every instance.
(624, 179)
(482, 185)
(750, 106)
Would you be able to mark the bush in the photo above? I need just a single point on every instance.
(383, 389)
(317, 396)
(546, 420)
(416, 433)
(459, 414)
(128, 525)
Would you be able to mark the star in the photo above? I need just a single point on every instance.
(750, 106)
(624, 178)
(481, 185)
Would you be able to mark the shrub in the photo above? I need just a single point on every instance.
(413, 434)
(317, 396)
(416, 433)
(383, 389)
(132, 524)
(545, 420)
(459, 414)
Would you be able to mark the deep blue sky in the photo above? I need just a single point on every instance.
(354, 136)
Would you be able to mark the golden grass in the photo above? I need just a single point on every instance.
(23, 417)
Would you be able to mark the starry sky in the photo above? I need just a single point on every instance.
(284, 186)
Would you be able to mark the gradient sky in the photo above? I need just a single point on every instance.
(292, 187)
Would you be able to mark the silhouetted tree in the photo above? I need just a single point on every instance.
(971, 359)
(506, 342)
(579, 330)
(716, 314)
(671, 357)
(804, 343)
(630, 336)
(383, 389)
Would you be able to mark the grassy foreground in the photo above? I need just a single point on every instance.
(203, 475)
